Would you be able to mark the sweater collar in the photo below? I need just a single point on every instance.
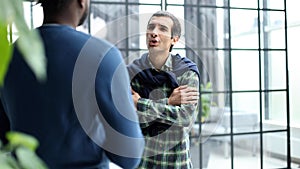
(166, 67)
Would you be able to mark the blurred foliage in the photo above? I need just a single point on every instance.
(206, 100)
(19, 153)
(29, 43)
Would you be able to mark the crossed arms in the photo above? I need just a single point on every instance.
(179, 109)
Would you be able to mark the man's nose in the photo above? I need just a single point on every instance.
(153, 35)
(154, 32)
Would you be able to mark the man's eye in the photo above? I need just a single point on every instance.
(150, 27)
(163, 29)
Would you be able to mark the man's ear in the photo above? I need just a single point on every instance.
(175, 39)
(81, 3)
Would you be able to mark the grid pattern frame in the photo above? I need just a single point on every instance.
(264, 49)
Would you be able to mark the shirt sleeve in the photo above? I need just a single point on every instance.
(182, 115)
(124, 141)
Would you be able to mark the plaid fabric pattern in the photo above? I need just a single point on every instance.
(169, 149)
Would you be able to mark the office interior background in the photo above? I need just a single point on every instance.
(246, 50)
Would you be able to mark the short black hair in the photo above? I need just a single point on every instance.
(54, 5)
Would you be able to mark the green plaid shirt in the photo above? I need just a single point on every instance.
(169, 149)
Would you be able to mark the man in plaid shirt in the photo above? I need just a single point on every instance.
(165, 91)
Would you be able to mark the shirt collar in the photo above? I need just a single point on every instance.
(166, 67)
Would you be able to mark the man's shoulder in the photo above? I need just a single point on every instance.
(138, 64)
(183, 64)
(103, 42)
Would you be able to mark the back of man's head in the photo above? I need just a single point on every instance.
(54, 6)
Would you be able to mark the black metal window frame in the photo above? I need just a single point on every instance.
(263, 92)
(262, 50)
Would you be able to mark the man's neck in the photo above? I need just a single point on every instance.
(158, 60)
(66, 17)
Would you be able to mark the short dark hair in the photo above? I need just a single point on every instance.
(176, 28)
(54, 5)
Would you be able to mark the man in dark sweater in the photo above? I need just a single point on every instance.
(165, 92)
(83, 115)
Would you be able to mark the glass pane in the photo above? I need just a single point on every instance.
(222, 28)
(294, 68)
(272, 4)
(203, 2)
(135, 31)
(205, 27)
(273, 33)
(278, 111)
(210, 66)
(275, 150)
(215, 151)
(275, 117)
(38, 15)
(244, 4)
(104, 18)
(148, 9)
(245, 112)
(190, 2)
(245, 121)
(224, 65)
(295, 146)
(205, 155)
(217, 71)
(212, 116)
(292, 14)
(246, 151)
(274, 70)
(27, 13)
(178, 11)
(245, 70)
(212, 109)
(146, 1)
(113, 26)
(175, 2)
(37, 12)
(244, 31)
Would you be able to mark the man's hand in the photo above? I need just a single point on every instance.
(184, 95)
(135, 97)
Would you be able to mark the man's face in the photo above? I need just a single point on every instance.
(158, 37)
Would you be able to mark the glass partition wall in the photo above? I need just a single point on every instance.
(241, 51)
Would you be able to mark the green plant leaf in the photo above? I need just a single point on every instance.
(6, 12)
(208, 85)
(20, 139)
(8, 162)
(30, 44)
(5, 52)
(34, 58)
(28, 159)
